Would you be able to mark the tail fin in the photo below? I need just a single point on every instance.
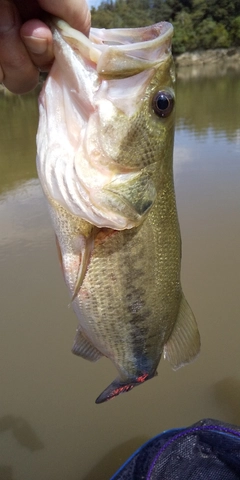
(118, 386)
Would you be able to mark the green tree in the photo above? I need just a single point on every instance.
(103, 18)
(161, 10)
(223, 11)
(199, 11)
(184, 36)
(211, 34)
(221, 36)
(235, 31)
(123, 14)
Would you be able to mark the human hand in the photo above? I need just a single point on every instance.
(26, 41)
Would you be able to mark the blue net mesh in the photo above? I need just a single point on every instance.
(208, 450)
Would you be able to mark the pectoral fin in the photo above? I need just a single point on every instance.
(130, 195)
(184, 343)
(83, 348)
(84, 261)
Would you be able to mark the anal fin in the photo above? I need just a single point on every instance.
(83, 348)
(184, 344)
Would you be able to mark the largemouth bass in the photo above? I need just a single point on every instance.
(105, 148)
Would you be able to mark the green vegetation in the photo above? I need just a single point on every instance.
(199, 24)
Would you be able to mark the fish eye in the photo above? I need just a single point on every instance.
(163, 103)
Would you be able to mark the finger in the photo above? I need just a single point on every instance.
(19, 74)
(37, 38)
(75, 12)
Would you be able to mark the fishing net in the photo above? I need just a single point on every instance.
(208, 450)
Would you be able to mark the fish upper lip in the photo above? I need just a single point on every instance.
(124, 39)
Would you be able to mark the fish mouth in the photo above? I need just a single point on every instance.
(120, 52)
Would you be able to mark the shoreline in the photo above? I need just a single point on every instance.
(230, 57)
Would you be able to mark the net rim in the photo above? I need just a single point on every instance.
(191, 431)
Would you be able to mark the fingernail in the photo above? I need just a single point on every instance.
(35, 45)
(7, 17)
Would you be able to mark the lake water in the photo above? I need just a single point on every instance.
(50, 427)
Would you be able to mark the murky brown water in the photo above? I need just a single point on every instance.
(50, 427)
